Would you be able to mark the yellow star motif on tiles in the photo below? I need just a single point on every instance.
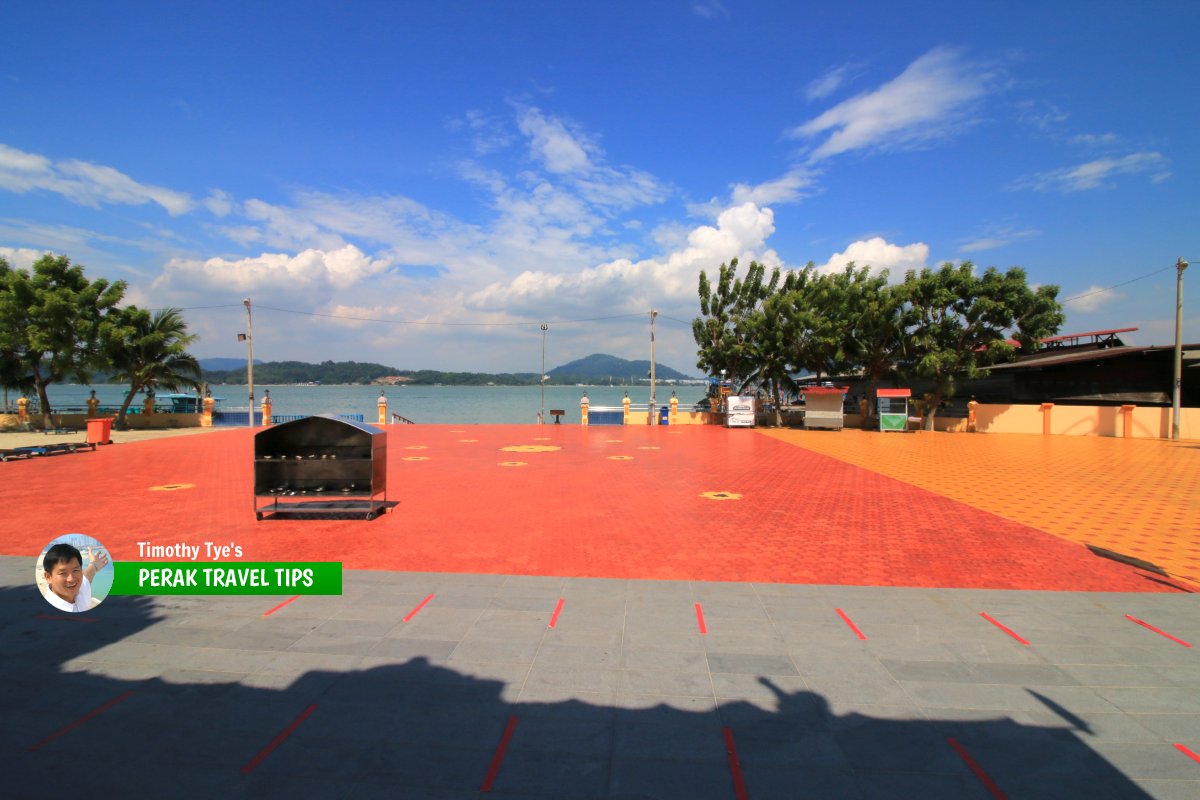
(415, 458)
(649, 447)
(513, 464)
(530, 448)
(172, 487)
(417, 447)
(620, 458)
(721, 495)
(468, 440)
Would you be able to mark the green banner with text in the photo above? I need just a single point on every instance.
(242, 577)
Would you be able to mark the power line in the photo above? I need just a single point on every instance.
(1115, 286)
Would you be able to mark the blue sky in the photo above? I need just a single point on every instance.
(479, 167)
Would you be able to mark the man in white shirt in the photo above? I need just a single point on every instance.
(69, 584)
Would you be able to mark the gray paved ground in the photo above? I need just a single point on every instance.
(623, 698)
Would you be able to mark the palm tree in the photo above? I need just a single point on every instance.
(151, 353)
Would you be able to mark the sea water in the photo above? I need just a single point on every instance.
(458, 405)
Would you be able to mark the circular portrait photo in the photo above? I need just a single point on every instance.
(74, 573)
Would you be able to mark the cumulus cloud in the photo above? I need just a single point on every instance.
(787, 188)
(83, 182)
(880, 254)
(930, 99)
(219, 203)
(21, 257)
(559, 150)
(624, 285)
(306, 271)
(1096, 174)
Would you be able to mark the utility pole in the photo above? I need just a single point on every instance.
(653, 314)
(1180, 266)
(542, 377)
(249, 359)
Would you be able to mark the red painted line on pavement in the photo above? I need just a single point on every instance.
(1004, 628)
(557, 611)
(68, 617)
(498, 759)
(278, 740)
(281, 605)
(735, 766)
(1187, 751)
(420, 605)
(700, 619)
(971, 763)
(80, 721)
(846, 619)
(1160, 632)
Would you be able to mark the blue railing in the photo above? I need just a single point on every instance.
(278, 418)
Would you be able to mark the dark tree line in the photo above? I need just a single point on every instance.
(942, 325)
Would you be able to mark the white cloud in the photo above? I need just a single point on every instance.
(710, 9)
(626, 286)
(1091, 299)
(1096, 174)
(21, 257)
(559, 150)
(879, 254)
(928, 100)
(83, 182)
(787, 188)
(828, 83)
(219, 203)
(305, 272)
(997, 238)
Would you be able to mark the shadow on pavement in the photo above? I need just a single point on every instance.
(416, 729)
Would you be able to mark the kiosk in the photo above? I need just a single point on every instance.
(823, 406)
(893, 408)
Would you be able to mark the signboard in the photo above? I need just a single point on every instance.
(739, 412)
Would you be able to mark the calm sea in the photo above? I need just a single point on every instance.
(460, 405)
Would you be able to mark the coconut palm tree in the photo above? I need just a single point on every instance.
(152, 354)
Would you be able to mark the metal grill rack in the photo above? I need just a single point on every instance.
(320, 465)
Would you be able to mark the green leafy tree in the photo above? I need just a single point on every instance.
(150, 352)
(53, 321)
(767, 351)
(722, 331)
(816, 322)
(959, 321)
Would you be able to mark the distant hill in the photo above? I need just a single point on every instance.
(221, 364)
(595, 368)
(599, 366)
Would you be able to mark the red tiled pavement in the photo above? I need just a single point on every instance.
(577, 511)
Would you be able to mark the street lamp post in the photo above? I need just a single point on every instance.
(653, 314)
(249, 359)
(542, 379)
(1180, 266)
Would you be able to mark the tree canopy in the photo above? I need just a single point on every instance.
(941, 325)
(54, 323)
(152, 353)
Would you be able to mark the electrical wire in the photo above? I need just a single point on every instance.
(1115, 286)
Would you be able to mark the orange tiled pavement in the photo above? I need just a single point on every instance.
(636, 502)
(1136, 497)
